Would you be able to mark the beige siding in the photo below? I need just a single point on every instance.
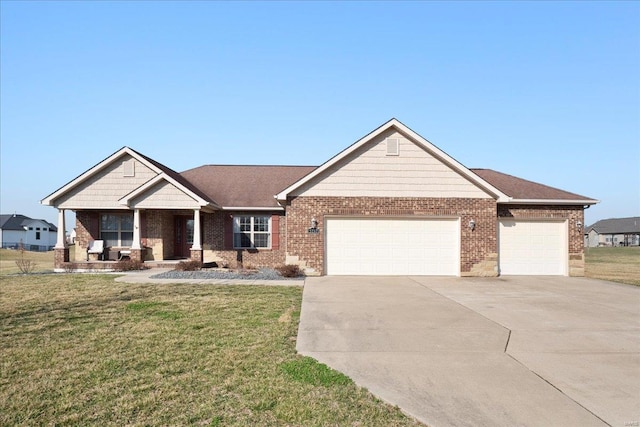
(370, 172)
(164, 195)
(105, 188)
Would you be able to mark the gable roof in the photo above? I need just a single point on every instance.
(414, 137)
(18, 222)
(163, 172)
(243, 186)
(523, 191)
(616, 226)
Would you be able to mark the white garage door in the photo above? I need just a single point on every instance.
(533, 247)
(395, 246)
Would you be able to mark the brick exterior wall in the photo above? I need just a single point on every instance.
(213, 244)
(478, 246)
(84, 226)
(573, 214)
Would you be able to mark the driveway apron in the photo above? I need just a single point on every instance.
(476, 352)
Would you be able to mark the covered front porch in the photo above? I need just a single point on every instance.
(155, 237)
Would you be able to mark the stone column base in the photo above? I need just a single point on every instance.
(60, 256)
(196, 254)
(137, 255)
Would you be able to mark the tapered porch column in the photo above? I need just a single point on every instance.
(197, 244)
(61, 243)
(196, 248)
(136, 230)
(60, 250)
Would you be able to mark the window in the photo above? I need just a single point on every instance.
(251, 232)
(37, 235)
(116, 229)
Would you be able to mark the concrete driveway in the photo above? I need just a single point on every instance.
(509, 351)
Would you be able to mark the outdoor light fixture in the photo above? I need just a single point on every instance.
(472, 225)
(579, 225)
(314, 223)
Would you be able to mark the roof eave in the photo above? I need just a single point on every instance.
(583, 202)
(252, 208)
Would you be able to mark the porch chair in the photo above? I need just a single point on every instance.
(96, 247)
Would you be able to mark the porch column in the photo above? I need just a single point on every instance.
(60, 250)
(197, 245)
(136, 230)
(61, 243)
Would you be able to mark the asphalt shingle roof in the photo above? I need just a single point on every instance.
(519, 188)
(616, 226)
(17, 221)
(244, 186)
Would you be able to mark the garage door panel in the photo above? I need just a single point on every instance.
(533, 247)
(365, 246)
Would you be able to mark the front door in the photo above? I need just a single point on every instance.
(183, 236)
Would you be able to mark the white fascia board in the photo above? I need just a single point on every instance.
(48, 201)
(550, 202)
(428, 146)
(163, 177)
(252, 208)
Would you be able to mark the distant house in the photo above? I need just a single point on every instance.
(613, 232)
(34, 234)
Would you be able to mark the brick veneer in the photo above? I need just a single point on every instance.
(214, 246)
(574, 215)
(478, 247)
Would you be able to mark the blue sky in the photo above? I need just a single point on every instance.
(547, 91)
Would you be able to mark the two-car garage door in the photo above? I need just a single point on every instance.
(392, 246)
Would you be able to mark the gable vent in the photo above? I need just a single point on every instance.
(130, 168)
(393, 146)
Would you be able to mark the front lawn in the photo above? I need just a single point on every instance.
(618, 264)
(82, 349)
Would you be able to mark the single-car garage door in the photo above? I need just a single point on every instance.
(533, 247)
(392, 246)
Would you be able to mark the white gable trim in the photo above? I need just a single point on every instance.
(48, 201)
(429, 147)
(126, 200)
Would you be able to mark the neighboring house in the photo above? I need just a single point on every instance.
(392, 203)
(33, 234)
(614, 232)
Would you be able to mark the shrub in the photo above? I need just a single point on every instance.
(129, 265)
(192, 265)
(26, 266)
(289, 270)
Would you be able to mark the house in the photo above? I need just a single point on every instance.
(32, 234)
(392, 203)
(613, 232)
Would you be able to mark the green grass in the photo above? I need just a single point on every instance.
(83, 349)
(618, 264)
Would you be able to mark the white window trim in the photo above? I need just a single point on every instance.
(236, 230)
(119, 230)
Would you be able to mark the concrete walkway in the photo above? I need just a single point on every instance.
(514, 351)
(144, 276)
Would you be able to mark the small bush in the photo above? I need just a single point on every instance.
(26, 266)
(289, 270)
(129, 265)
(192, 265)
(70, 267)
